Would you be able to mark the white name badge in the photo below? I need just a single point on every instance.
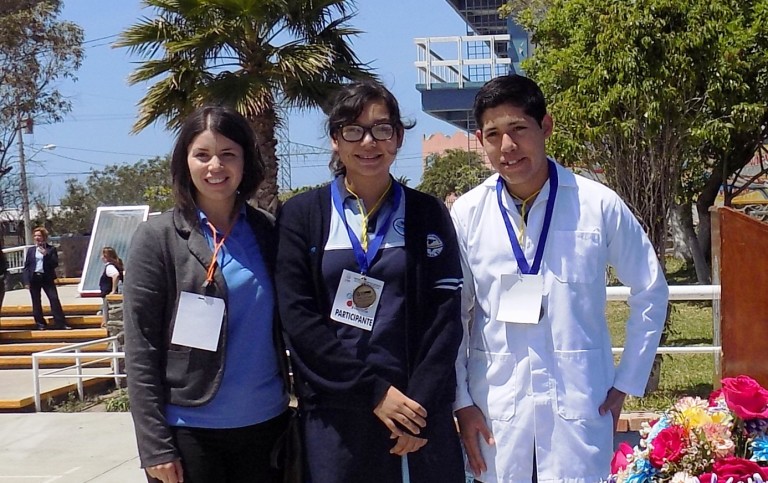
(357, 300)
(520, 298)
(198, 321)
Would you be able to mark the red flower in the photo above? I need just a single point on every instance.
(745, 397)
(619, 460)
(739, 469)
(668, 445)
(713, 397)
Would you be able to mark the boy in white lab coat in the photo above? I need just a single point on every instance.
(538, 395)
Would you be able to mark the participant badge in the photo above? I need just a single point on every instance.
(357, 300)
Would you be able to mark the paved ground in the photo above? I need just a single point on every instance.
(68, 448)
(88, 447)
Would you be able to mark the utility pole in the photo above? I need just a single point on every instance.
(24, 188)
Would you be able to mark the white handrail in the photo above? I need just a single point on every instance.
(74, 351)
(683, 292)
(15, 258)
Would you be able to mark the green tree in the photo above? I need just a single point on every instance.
(37, 52)
(144, 183)
(455, 171)
(259, 56)
(637, 87)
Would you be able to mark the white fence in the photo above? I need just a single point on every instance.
(15, 258)
(82, 360)
(676, 293)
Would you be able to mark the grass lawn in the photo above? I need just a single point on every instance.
(690, 324)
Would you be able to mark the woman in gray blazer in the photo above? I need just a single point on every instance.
(203, 361)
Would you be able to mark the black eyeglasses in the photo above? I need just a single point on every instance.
(353, 133)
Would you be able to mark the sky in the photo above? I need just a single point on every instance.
(96, 133)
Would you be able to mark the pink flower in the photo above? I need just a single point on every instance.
(619, 460)
(739, 469)
(745, 397)
(668, 445)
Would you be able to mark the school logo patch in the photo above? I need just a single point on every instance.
(434, 245)
(399, 226)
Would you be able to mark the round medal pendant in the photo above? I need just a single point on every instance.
(363, 296)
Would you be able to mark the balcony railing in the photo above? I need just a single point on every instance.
(460, 61)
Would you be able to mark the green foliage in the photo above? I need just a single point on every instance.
(37, 52)
(455, 171)
(117, 403)
(287, 195)
(260, 57)
(638, 88)
(144, 183)
(690, 323)
(524, 9)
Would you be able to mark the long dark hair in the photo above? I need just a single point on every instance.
(349, 103)
(230, 124)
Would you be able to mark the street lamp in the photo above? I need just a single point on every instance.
(25, 190)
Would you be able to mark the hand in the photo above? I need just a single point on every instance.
(614, 401)
(407, 444)
(471, 426)
(397, 408)
(167, 472)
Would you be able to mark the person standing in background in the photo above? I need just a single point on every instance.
(39, 274)
(3, 274)
(113, 272)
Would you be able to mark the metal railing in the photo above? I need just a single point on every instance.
(676, 293)
(82, 360)
(687, 293)
(446, 61)
(15, 258)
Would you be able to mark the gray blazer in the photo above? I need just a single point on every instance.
(168, 255)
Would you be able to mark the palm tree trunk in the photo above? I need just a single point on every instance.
(265, 126)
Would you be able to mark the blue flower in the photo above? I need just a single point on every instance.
(662, 423)
(759, 448)
(642, 472)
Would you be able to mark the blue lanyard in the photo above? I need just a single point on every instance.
(522, 263)
(365, 258)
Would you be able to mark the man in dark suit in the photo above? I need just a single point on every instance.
(39, 273)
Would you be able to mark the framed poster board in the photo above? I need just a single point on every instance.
(114, 227)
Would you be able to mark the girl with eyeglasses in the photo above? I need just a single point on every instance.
(368, 284)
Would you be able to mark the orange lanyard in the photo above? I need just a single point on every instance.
(216, 247)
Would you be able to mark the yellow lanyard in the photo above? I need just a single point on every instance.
(368, 214)
(521, 236)
(217, 244)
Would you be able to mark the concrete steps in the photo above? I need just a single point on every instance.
(25, 349)
(28, 323)
(23, 362)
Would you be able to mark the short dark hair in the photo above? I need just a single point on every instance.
(230, 124)
(513, 89)
(348, 104)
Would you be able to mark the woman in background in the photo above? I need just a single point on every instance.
(39, 274)
(369, 285)
(113, 271)
(204, 366)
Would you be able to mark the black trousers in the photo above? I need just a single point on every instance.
(37, 283)
(238, 455)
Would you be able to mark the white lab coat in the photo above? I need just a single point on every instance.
(544, 383)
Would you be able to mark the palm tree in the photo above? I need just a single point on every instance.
(260, 56)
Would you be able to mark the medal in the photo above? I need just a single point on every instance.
(363, 296)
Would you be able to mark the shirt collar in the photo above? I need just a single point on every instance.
(203, 218)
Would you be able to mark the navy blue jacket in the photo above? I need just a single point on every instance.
(329, 380)
(50, 262)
